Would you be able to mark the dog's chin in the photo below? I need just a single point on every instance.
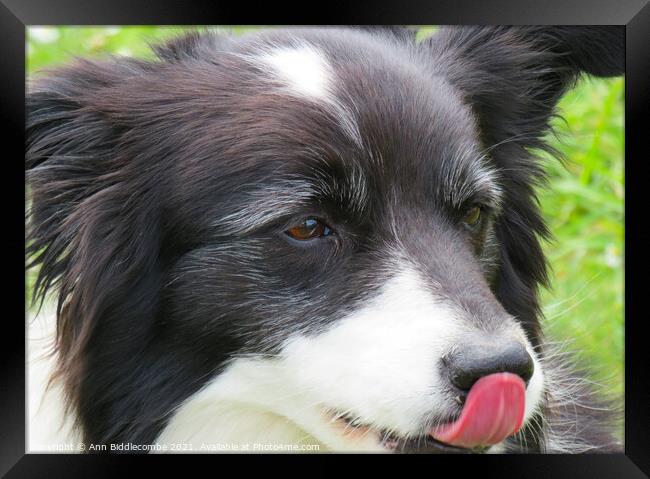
(354, 430)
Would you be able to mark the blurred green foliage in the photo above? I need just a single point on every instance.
(583, 203)
(584, 209)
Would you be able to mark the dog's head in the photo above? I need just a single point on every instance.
(335, 226)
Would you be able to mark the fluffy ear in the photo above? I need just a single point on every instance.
(514, 76)
(192, 45)
(512, 79)
(92, 224)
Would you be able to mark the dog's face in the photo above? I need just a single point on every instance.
(331, 227)
(349, 233)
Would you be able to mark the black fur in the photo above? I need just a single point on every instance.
(133, 167)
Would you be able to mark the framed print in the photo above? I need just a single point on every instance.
(378, 235)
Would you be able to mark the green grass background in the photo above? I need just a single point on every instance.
(583, 203)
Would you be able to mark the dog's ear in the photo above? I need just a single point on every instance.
(92, 223)
(512, 79)
(514, 76)
(192, 45)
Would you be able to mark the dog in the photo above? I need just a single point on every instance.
(305, 239)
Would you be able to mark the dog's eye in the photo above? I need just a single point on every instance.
(309, 229)
(473, 216)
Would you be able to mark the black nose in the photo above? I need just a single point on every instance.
(475, 359)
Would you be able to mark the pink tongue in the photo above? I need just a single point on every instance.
(494, 410)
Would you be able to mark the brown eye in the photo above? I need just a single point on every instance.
(309, 229)
(473, 216)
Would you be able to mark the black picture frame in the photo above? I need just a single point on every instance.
(15, 15)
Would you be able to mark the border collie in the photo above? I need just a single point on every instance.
(299, 239)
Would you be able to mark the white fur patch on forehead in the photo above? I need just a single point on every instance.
(307, 73)
(306, 70)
